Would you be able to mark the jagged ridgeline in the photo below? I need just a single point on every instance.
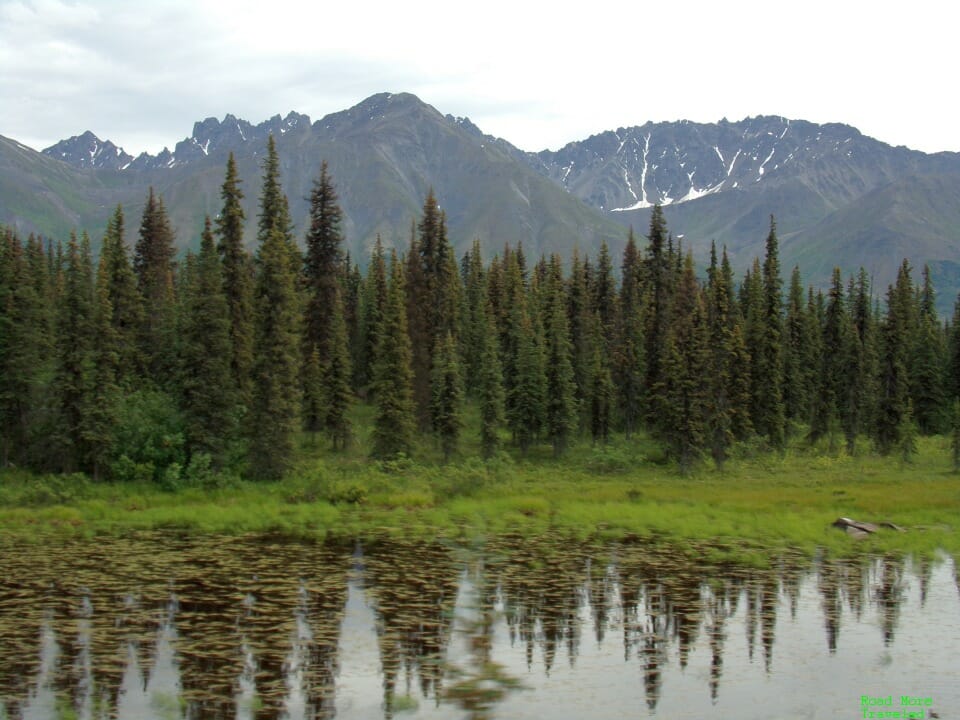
(840, 198)
(143, 366)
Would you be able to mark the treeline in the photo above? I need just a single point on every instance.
(149, 368)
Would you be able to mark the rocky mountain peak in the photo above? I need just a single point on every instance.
(88, 151)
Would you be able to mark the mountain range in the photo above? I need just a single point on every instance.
(839, 197)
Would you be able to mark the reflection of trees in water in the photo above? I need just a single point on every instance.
(106, 604)
(924, 571)
(856, 583)
(101, 621)
(21, 624)
(543, 582)
(293, 601)
(829, 580)
(720, 603)
(412, 590)
(888, 593)
(283, 602)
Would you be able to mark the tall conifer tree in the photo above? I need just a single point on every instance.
(395, 420)
(153, 264)
(681, 395)
(20, 350)
(76, 355)
(796, 394)
(526, 394)
(894, 380)
(927, 363)
(830, 394)
(323, 261)
(276, 391)
(770, 419)
(238, 277)
(116, 275)
(101, 416)
(432, 298)
(657, 287)
(490, 386)
(373, 301)
(337, 372)
(206, 381)
(560, 416)
(628, 357)
(446, 406)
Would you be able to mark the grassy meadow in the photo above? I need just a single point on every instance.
(758, 504)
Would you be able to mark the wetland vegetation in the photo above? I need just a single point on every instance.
(757, 504)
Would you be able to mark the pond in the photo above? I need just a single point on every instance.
(224, 627)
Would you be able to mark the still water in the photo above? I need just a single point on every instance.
(251, 628)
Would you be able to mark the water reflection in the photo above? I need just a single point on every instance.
(161, 627)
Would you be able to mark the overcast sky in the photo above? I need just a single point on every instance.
(535, 73)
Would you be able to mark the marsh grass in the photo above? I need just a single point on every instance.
(760, 502)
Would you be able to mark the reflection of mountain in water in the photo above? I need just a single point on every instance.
(237, 627)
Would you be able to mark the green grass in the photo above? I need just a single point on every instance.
(760, 503)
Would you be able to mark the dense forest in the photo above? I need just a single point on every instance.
(149, 368)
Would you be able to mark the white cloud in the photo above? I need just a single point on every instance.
(534, 73)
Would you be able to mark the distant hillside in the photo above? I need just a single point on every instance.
(384, 155)
(839, 198)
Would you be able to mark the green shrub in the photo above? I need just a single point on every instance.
(149, 432)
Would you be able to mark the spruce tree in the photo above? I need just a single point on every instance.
(395, 419)
(117, 276)
(446, 405)
(863, 390)
(908, 434)
(893, 380)
(206, 382)
(560, 410)
(322, 264)
(490, 386)
(770, 419)
(313, 400)
(373, 300)
(719, 411)
(351, 289)
(274, 416)
(602, 392)
(682, 395)
(101, 417)
(21, 351)
(604, 298)
(337, 372)
(953, 362)
(580, 313)
(433, 298)
(657, 288)
(526, 395)
(628, 356)
(274, 210)
(836, 369)
(927, 363)
(153, 264)
(473, 326)
(238, 274)
(796, 393)
(73, 380)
